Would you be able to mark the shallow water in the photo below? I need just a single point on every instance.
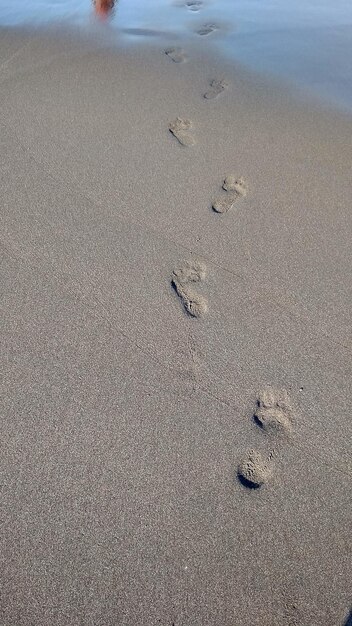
(306, 41)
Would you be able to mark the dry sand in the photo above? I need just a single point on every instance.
(124, 418)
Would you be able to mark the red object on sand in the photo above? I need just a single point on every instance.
(103, 8)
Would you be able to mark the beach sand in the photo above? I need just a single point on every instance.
(145, 335)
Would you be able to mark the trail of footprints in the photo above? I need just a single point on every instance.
(273, 412)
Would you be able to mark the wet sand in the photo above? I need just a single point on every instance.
(153, 346)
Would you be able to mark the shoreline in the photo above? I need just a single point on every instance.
(125, 418)
(113, 36)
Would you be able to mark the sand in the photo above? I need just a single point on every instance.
(125, 417)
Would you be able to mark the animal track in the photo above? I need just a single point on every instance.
(179, 128)
(207, 29)
(216, 88)
(176, 54)
(253, 470)
(235, 188)
(273, 413)
(182, 279)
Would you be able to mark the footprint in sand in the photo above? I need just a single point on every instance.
(206, 29)
(194, 5)
(182, 281)
(216, 88)
(176, 54)
(253, 470)
(236, 188)
(191, 5)
(180, 129)
(273, 413)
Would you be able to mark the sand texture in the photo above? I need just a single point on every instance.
(154, 349)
